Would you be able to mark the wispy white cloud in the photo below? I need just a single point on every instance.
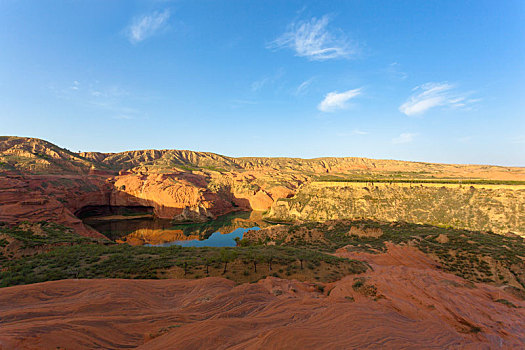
(432, 95)
(108, 92)
(405, 137)
(335, 100)
(313, 40)
(123, 117)
(145, 26)
(395, 72)
(352, 133)
(303, 87)
(360, 132)
(259, 84)
(113, 100)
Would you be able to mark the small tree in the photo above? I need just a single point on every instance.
(252, 257)
(227, 256)
(269, 257)
(301, 258)
(207, 261)
(186, 265)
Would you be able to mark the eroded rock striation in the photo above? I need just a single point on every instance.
(403, 302)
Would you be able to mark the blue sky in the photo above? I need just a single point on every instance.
(439, 81)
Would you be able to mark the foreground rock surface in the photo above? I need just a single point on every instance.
(404, 302)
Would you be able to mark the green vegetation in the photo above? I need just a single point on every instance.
(484, 209)
(85, 258)
(43, 233)
(214, 168)
(473, 255)
(413, 179)
(123, 261)
(360, 285)
(186, 167)
(505, 302)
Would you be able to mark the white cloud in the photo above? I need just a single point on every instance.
(360, 132)
(405, 137)
(334, 100)
(432, 95)
(268, 80)
(123, 117)
(395, 72)
(352, 133)
(303, 87)
(75, 86)
(147, 25)
(313, 40)
(259, 84)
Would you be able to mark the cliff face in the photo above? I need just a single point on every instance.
(35, 199)
(499, 209)
(173, 196)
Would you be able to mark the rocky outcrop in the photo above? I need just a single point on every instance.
(405, 301)
(19, 202)
(499, 209)
(178, 196)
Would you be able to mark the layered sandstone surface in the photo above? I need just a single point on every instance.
(24, 199)
(404, 301)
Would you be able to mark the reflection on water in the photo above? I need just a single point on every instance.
(216, 239)
(151, 231)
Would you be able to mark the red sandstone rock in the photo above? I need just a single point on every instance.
(419, 307)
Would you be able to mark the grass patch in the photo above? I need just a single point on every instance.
(85, 258)
(474, 255)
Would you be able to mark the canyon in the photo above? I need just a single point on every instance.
(39, 180)
(351, 252)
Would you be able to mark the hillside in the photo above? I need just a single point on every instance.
(20, 154)
(56, 183)
(367, 252)
(39, 156)
(496, 208)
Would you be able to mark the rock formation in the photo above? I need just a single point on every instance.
(497, 208)
(403, 302)
(40, 180)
